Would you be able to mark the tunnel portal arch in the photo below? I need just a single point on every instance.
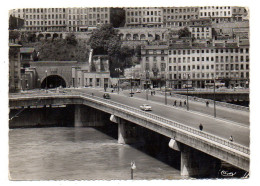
(53, 81)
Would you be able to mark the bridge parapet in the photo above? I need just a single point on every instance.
(218, 103)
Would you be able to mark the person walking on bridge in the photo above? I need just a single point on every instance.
(184, 102)
(201, 127)
(175, 103)
(180, 103)
(207, 103)
(231, 138)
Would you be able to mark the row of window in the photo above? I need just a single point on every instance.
(215, 7)
(181, 17)
(144, 20)
(208, 14)
(179, 10)
(209, 67)
(201, 51)
(211, 75)
(215, 59)
(50, 16)
(144, 13)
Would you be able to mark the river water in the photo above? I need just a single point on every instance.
(67, 153)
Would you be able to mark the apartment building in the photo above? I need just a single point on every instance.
(154, 64)
(62, 19)
(179, 16)
(144, 17)
(201, 63)
(14, 67)
(200, 28)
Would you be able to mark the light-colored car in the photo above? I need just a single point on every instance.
(138, 91)
(146, 107)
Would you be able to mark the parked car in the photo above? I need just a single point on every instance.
(138, 91)
(146, 107)
(106, 96)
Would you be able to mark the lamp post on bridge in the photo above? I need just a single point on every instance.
(118, 70)
(187, 89)
(215, 114)
(46, 81)
(146, 80)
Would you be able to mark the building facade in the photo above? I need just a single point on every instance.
(14, 68)
(179, 16)
(62, 19)
(200, 63)
(144, 17)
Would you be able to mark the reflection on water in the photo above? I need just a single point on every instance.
(78, 154)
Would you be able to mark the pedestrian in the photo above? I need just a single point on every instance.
(180, 103)
(154, 92)
(184, 102)
(201, 127)
(175, 102)
(207, 103)
(231, 138)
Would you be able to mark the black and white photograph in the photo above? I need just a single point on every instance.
(128, 92)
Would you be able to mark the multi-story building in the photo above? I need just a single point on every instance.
(14, 68)
(179, 16)
(222, 14)
(215, 11)
(62, 19)
(200, 28)
(154, 64)
(144, 17)
(201, 63)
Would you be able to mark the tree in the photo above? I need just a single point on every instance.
(184, 32)
(105, 40)
(71, 39)
(117, 17)
(13, 35)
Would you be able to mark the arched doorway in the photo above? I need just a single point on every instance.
(53, 81)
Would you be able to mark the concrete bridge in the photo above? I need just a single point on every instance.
(192, 143)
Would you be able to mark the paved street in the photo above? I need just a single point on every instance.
(222, 112)
(218, 127)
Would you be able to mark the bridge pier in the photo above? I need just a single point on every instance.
(195, 163)
(127, 132)
(87, 117)
(198, 164)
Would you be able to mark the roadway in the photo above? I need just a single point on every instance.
(238, 116)
(219, 127)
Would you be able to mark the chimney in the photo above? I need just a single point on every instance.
(213, 41)
(225, 43)
(238, 44)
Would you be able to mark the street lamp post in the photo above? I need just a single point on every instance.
(118, 87)
(46, 81)
(146, 80)
(165, 90)
(187, 91)
(215, 97)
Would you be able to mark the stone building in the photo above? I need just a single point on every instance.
(14, 68)
(201, 63)
(144, 17)
(62, 19)
(179, 16)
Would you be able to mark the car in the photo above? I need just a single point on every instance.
(138, 91)
(106, 96)
(146, 107)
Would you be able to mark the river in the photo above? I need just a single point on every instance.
(68, 153)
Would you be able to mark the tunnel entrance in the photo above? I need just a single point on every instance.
(53, 81)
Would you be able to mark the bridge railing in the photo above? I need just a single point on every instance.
(175, 124)
(219, 103)
(145, 115)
